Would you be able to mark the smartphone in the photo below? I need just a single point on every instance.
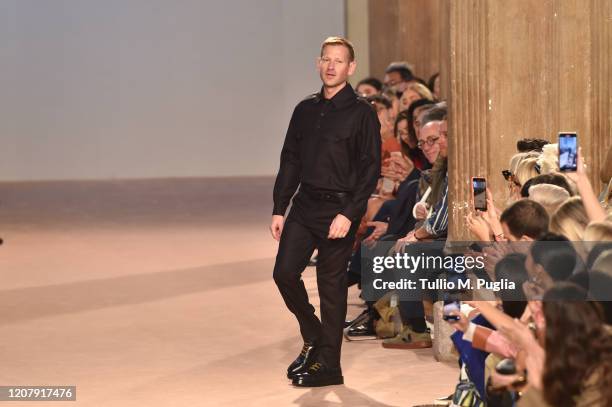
(568, 152)
(450, 306)
(479, 189)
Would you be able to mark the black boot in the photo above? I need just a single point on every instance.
(317, 375)
(304, 359)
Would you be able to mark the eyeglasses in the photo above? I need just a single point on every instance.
(430, 142)
(508, 176)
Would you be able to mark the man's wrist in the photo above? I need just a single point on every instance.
(417, 237)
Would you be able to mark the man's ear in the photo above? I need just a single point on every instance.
(352, 67)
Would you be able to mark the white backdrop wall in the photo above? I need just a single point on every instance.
(154, 88)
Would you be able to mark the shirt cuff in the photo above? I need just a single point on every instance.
(468, 335)
(278, 211)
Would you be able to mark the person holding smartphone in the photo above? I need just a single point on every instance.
(332, 152)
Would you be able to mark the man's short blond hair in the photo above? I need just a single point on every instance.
(339, 41)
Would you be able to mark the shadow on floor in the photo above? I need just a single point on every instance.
(28, 303)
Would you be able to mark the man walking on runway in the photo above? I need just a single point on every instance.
(332, 151)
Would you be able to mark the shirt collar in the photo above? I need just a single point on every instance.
(346, 96)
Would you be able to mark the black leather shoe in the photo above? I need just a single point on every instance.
(317, 375)
(349, 323)
(361, 329)
(301, 363)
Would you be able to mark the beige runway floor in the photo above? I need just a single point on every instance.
(159, 293)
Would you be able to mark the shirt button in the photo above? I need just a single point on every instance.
(322, 114)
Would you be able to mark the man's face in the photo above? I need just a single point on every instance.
(443, 142)
(428, 137)
(335, 66)
(394, 81)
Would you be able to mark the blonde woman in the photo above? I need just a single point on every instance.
(570, 219)
(514, 186)
(527, 169)
(414, 91)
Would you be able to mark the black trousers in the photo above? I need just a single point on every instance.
(305, 229)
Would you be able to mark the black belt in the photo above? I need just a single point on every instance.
(323, 195)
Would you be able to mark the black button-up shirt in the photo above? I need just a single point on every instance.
(332, 145)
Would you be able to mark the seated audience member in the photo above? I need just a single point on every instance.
(397, 76)
(570, 219)
(394, 98)
(524, 220)
(414, 92)
(550, 259)
(572, 327)
(526, 169)
(434, 85)
(409, 144)
(549, 196)
(389, 141)
(514, 186)
(369, 87)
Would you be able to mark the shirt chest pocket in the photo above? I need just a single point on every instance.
(338, 135)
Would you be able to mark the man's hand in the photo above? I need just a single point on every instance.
(339, 227)
(401, 244)
(276, 227)
(421, 210)
(380, 228)
(460, 324)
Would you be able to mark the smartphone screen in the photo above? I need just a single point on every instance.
(450, 306)
(479, 186)
(568, 152)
